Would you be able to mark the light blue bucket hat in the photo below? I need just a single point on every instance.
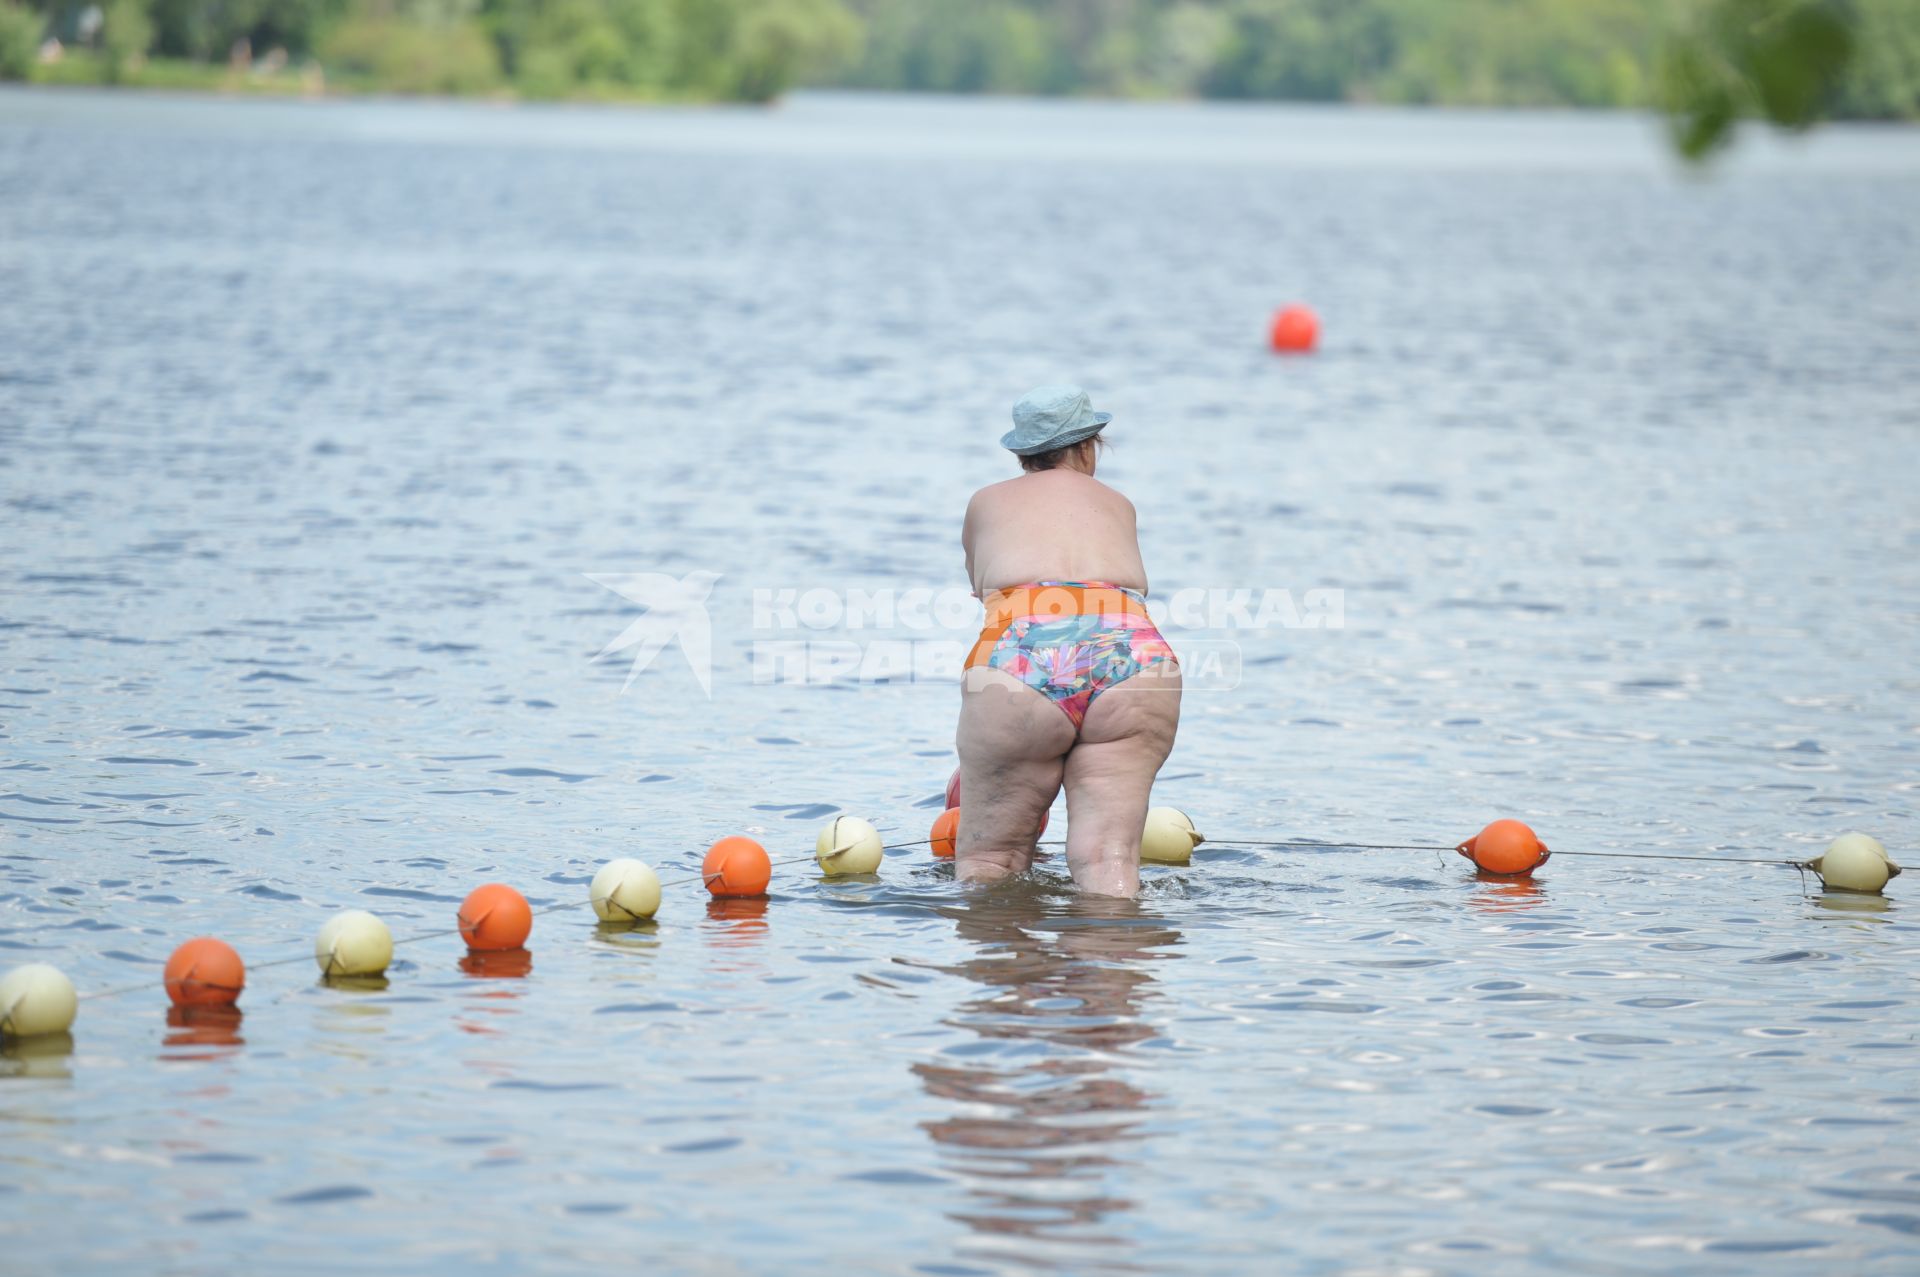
(1049, 417)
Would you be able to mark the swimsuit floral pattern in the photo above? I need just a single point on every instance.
(1070, 660)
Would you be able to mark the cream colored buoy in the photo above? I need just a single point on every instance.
(1855, 862)
(36, 999)
(849, 846)
(1169, 838)
(625, 890)
(353, 943)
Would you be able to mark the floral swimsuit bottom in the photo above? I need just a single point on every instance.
(1069, 640)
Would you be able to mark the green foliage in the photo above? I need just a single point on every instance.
(1190, 38)
(1785, 60)
(743, 49)
(1311, 50)
(1778, 59)
(19, 41)
(1711, 62)
(206, 30)
(556, 48)
(696, 49)
(984, 46)
(776, 42)
(1883, 81)
(124, 38)
(397, 55)
(1584, 52)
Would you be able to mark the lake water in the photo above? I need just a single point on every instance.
(316, 417)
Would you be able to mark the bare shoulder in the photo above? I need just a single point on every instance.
(986, 506)
(1097, 491)
(994, 493)
(1050, 485)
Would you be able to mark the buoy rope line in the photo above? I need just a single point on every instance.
(1309, 845)
(443, 932)
(1409, 846)
(40, 999)
(1284, 843)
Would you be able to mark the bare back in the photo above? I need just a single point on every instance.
(1054, 525)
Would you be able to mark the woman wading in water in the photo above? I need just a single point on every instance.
(1070, 683)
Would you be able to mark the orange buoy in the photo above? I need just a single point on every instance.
(946, 831)
(205, 973)
(953, 789)
(495, 917)
(1505, 847)
(1296, 330)
(737, 866)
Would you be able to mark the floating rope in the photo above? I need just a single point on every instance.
(1296, 844)
(1406, 846)
(443, 932)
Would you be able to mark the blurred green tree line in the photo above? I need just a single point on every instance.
(1709, 61)
(750, 50)
(1601, 53)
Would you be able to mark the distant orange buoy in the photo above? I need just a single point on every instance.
(495, 917)
(946, 830)
(1505, 847)
(737, 867)
(205, 973)
(953, 789)
(1296, 330)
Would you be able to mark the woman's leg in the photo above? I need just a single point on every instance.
(1127, 734)
(1012, 741)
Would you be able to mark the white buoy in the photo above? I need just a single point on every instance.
(353, 942)
(849, 846)
(1169, 838)
(1855, 862)
(625, 890)
(36, 999)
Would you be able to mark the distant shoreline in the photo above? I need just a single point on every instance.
(224, 83)
(173, 75)
(1703, 66)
